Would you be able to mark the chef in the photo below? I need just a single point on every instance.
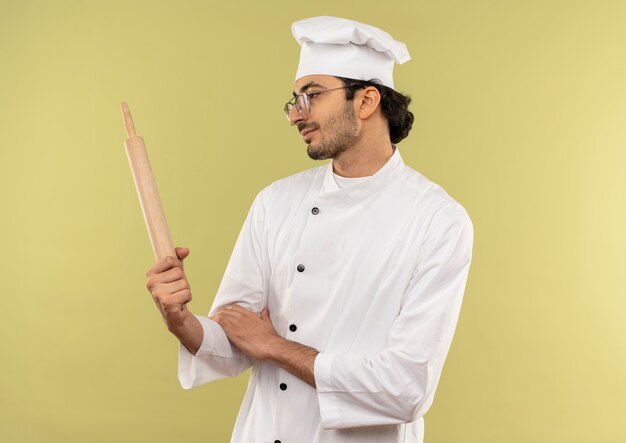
(345, 284)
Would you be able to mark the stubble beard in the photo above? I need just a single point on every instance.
(344, 134)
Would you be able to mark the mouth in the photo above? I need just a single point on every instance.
(307, 131)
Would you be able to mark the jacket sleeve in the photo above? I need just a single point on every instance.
(245, 283)
(398, 384)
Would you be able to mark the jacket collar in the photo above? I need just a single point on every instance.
(331, 193)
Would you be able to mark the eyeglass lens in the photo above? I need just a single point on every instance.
(301, 103)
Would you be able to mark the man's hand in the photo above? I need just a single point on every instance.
(256, 337)
(251, 333)
(168, 285)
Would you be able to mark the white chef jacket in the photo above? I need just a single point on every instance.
(372, 276)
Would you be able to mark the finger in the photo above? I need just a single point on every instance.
(157, 281)
(221, 319)
(163, 265)
(174, 287)
(265, 314)
(231, 309)
(164, 291)
(173, 302)
(239, 309)
(182, 253)
(183, 296)
(171, 275)
(226, 314)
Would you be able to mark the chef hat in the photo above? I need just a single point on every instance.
(345, 48)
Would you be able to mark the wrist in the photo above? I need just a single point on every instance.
(178, 324)
(188, 331)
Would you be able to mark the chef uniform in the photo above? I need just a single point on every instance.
(371, 274)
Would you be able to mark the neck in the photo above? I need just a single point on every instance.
(364, 158)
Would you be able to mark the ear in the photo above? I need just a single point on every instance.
(369, 101)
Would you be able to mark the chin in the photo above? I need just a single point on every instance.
(316, 153)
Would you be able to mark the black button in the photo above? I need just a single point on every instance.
(300, 268)
(293, 328)
(283, 387)
(276, 441)
(315, 211)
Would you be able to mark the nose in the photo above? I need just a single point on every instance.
(294, 116)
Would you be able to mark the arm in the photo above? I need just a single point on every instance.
(397, 385)
(168, 285)
(255, 336)
(295, 358)
(244, 282)
(205, 352)
(190, 333)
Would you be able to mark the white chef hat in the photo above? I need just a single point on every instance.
(345, 48)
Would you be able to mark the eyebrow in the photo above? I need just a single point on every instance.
(309, 86)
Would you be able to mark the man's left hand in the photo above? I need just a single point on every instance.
(253, 334)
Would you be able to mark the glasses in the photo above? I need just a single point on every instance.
(302, 102)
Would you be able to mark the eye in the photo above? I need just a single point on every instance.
(312, 95)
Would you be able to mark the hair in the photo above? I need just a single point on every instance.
(394, 105)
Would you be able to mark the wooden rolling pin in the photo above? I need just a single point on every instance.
(151, 207)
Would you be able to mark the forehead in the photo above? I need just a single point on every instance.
(318, 81)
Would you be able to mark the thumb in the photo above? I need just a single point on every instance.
(182, 253)
(265, 314)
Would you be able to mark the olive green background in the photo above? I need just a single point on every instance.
(520, 113)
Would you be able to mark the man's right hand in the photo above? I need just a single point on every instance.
(168, 284)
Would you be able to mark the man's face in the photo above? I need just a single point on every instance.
(331, 127)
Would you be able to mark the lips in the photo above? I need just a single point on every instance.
(306, 131)
(306, 137)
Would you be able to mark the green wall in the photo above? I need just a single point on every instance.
(520, 115)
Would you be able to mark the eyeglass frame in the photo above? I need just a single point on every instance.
(305, 99)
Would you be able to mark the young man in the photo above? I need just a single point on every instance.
(345, 284)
